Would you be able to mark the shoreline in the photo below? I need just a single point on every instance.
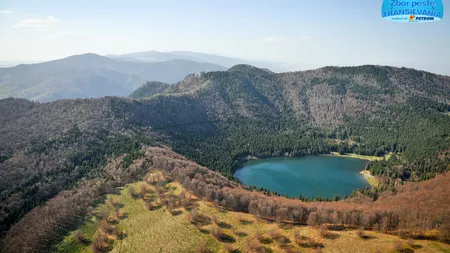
(373, 181)
(370, 178)
(361, 157)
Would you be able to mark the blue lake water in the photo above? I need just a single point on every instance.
(311, 176)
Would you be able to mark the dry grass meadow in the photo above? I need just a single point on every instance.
(158, 215)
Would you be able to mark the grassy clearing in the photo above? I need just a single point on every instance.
(142, 230)
(388, 156)
(371, 179)
(89, 230)
(362, 157)
(158, 230)
(201, 226)
(273, 237)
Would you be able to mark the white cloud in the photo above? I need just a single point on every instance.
(71, 34)
(37, 24)
(5, 11)
(274, 39)
(283, 39)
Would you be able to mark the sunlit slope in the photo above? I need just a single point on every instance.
(137, 220)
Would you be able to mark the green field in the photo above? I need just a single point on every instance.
(160, 230)
(142, 230)
(363, 157)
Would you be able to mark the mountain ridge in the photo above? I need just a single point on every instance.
(155, 56)
(90, 75)
(149, 89)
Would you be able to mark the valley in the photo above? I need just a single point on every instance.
(60, 159)
(201, 126)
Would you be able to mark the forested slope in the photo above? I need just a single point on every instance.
(392, 213)
(46, 148)
(149, 89)
(369, 110)
(217, 119)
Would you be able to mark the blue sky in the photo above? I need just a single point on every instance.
(302, 34)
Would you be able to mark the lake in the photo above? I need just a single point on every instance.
(311, 176)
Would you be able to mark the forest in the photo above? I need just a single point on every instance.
(419, 139)
(218, 120)
(391, 213)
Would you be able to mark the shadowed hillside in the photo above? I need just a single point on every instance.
(149, 89)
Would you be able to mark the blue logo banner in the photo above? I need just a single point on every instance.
(412, 11)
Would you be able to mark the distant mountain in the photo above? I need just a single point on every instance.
(156, 56)
(8, 64)
(91, 76)
(149, 89)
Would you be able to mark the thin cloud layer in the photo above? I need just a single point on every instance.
(68, 33)
(5, 11)
(283, 39)
(37, 24)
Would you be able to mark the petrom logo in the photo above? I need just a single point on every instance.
(412, 11)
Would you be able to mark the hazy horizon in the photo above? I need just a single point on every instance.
(296, 34)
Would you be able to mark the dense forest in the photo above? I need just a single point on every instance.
(256, 119)
(220, 119)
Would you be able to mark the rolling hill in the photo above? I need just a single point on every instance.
(199, 225)
(149, 89)
(156, 56)
(375, 109)
(59, 158)
(90, 76)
